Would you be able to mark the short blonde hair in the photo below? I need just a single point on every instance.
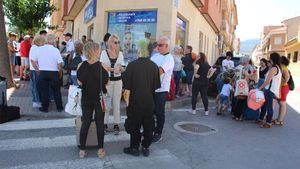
(178, 49)
(50, 38)
(39, 40)
(91, 50)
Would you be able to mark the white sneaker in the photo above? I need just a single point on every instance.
(192, 111)
(206, 113)
(36, 105)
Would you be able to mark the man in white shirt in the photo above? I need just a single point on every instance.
(228, 63)
(70, 44)
(48, 64)
(164, 60)
(70, 47)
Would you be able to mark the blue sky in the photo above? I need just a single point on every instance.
(254, 14)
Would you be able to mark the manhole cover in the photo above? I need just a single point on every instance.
(194, 128)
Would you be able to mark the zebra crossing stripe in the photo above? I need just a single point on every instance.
(163, 159)
(48, 142)
(44, 124)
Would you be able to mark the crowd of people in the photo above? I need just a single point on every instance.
(144, 83)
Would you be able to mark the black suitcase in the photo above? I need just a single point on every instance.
(9, 113)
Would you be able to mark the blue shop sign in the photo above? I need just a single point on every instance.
(90, 11)
(133, 17)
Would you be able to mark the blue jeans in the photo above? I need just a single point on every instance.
(267, 107)
(177, 77)
(74, 80)
(159, 111)
(260, 82)
(219, 83)
(224, 99)
(33, 86)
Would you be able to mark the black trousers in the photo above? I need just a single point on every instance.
(159, 111)
(86, 118)
(137, 118)
(50, 79)
(202, 88)
(239, 107)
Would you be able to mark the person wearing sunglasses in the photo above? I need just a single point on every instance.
(113, 61)
(164, 60)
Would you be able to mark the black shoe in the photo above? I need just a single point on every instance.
(156, 138)
(131, 151)
(145, 151)
(60, 110)
(43, 110)
(116, 129)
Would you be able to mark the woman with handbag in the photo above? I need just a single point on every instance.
(271, 87)
(92, 78)
(284, 90)
(113, 61)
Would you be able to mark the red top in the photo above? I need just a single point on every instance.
(25, 48)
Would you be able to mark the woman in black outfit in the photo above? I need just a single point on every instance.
(263, 69)
(200, 83)
(88, 75)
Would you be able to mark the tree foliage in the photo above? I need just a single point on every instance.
(27, 15)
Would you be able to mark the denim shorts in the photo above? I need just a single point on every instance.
(224, 99)
(12, 59)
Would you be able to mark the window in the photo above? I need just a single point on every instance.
(201, 42)
(90, 33)
(289, 56)
(295, 58)
(180, 32)
(277, 41)
(207, 45)
(204, 47)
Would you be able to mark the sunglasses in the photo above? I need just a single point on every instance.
(117, 42)
(161, 45)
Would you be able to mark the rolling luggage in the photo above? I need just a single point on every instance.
(9, 113)
(250, 114)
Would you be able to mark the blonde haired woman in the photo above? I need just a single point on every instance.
(37, 41)
(89, 79)
(113, 61)
(177, 55)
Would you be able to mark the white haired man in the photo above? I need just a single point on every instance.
(48, 64)
(164, 60)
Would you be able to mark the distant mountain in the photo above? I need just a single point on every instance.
(248, 45)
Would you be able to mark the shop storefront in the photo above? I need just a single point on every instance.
(135, 20)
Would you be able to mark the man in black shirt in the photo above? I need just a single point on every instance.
(141, 79)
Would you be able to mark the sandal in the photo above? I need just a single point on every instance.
(82, 154)
(260, 122)
(277, 122)
(101, 153)
(266, 125)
